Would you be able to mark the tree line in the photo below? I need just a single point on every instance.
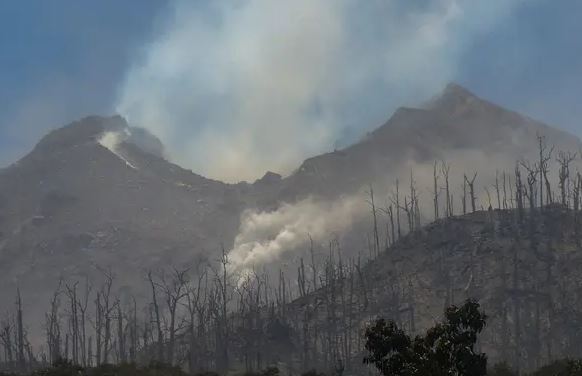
(207, 318)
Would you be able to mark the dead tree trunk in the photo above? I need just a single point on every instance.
(565, 159)
(73, 304)
(397, 205)
(446, 168)
(174, 290)
(20, 331)
(435, 191)
(497, 190)
(544, 158)
(158, 320)
(120, 334)
(471, 185)
(98, 328)
(375, 222)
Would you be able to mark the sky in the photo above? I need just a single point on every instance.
(238, 87)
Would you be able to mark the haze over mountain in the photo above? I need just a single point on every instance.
(98, 193)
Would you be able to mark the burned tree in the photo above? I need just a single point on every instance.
(157, 318)
(374, 220)
(565, 159)
(20, 332)
(103, 311)
(53, 327)
(471, 185)
(446, 168)
(545, 156)
(436, 188)
(174, 289)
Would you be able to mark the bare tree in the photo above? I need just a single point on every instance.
(73, 320)
(120, 334)
(104, 308)
(220, 301)
(396, 202)
(53, 326)
(565, 159)
(471, 185)
(6, 329)
(545, 156)
(436, 188)
(497, 190)
(20, 331)
(375, 221)
(158, 319)
(446, 168)
(174, 289)
(82, 308)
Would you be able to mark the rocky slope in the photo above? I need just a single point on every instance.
(524, 270)
(78, 201)
(456, 126)
(99, 193)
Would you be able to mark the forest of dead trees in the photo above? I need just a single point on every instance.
(205, 317)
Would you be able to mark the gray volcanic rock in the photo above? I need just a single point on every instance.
(98, 192)
(72, 204)
(455, 123)
(525, 276)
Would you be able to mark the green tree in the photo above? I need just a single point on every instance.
(446, 349)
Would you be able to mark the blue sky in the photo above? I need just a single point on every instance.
(64, 59)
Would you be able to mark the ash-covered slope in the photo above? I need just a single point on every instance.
(92, 193)
(98, 192)
(525, 270)
(456, 126)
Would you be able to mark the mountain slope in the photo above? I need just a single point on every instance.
(99, 193)
(457, 126)
(72, 203)
(524, 270)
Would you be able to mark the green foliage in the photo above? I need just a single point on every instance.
(447, 348)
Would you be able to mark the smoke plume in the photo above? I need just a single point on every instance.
(268, 237)
(235, 88)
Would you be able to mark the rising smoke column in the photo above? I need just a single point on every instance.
(267, 237)
(236, 88)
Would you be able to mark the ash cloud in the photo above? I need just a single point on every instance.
(236, 88)
(268, 237)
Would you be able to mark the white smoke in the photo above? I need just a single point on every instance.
(235, 88)
(267, 237)
(111, 141)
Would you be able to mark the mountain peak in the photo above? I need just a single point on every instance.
(454, 89)
(88, 129)
(100, 129)
(452, 97)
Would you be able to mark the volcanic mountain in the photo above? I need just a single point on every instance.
(456, 126)
(90, 194)
(98, 194)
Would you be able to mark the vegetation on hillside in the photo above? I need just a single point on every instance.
(448, 348)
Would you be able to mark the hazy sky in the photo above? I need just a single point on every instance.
(260, 84)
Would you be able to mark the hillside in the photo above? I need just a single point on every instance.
(457, 126)
(525, 270)
(98, 194)
(73, 204)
